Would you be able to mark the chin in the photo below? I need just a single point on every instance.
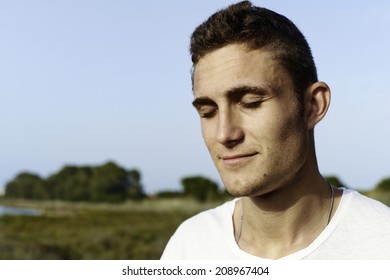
(243, 189)
(239, 186)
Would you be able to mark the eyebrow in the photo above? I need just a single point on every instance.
(202, 101)
(234, 94)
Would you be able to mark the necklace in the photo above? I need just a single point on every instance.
(331, 204)
(239, 229)
(238, 235)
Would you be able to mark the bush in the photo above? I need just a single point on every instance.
(335, 181)
(27, 185)
(200, 188)
(384, 185)
(106, 183)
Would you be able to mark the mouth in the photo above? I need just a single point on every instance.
(237, 159)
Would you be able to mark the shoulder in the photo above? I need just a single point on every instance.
(215, 217)
(206, 229)
(201, 224)
(367, 208)
(361, 229)
(365, 221)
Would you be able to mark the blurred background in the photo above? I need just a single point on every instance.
(105, 85)
(83, 82)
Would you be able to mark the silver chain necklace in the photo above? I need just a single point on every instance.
(238, 235)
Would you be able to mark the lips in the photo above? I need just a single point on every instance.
(237, 159)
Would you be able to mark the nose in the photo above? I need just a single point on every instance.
(229, 131)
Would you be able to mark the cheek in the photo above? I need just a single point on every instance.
(205, 133)
(207, 136)
(293, 139)
(285, 135)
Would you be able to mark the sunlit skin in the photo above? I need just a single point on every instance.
(263, 146)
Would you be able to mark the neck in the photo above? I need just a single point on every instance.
(285, 220)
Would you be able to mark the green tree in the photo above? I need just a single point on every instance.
(70, 183)
(26, 185)
(109, 183)
(383, 185)
(335, 181)
(134, 187)
(200, 188)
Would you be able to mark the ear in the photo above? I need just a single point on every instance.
(317, 101)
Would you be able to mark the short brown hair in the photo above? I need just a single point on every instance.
(258, 28)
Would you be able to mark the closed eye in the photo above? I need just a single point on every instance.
(250, 101)
(250, 105)
(248, 97)
(206, 111)
(205, 107)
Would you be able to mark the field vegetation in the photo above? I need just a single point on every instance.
(133, 230)
(68, 230)
(110, 218)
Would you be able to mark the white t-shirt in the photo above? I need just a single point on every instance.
(359, 229)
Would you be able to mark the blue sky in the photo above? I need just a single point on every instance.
(84, 82)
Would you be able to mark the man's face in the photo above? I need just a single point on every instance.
(250, 119)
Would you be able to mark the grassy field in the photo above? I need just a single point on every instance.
(383, 196)
(128, 231)
(133, 230)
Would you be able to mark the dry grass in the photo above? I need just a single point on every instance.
(183, 205)
(131, 230)
(383, 196)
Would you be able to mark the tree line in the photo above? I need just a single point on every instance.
(104, 183)
(110, 182)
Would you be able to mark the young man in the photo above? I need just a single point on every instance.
(257, 93)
